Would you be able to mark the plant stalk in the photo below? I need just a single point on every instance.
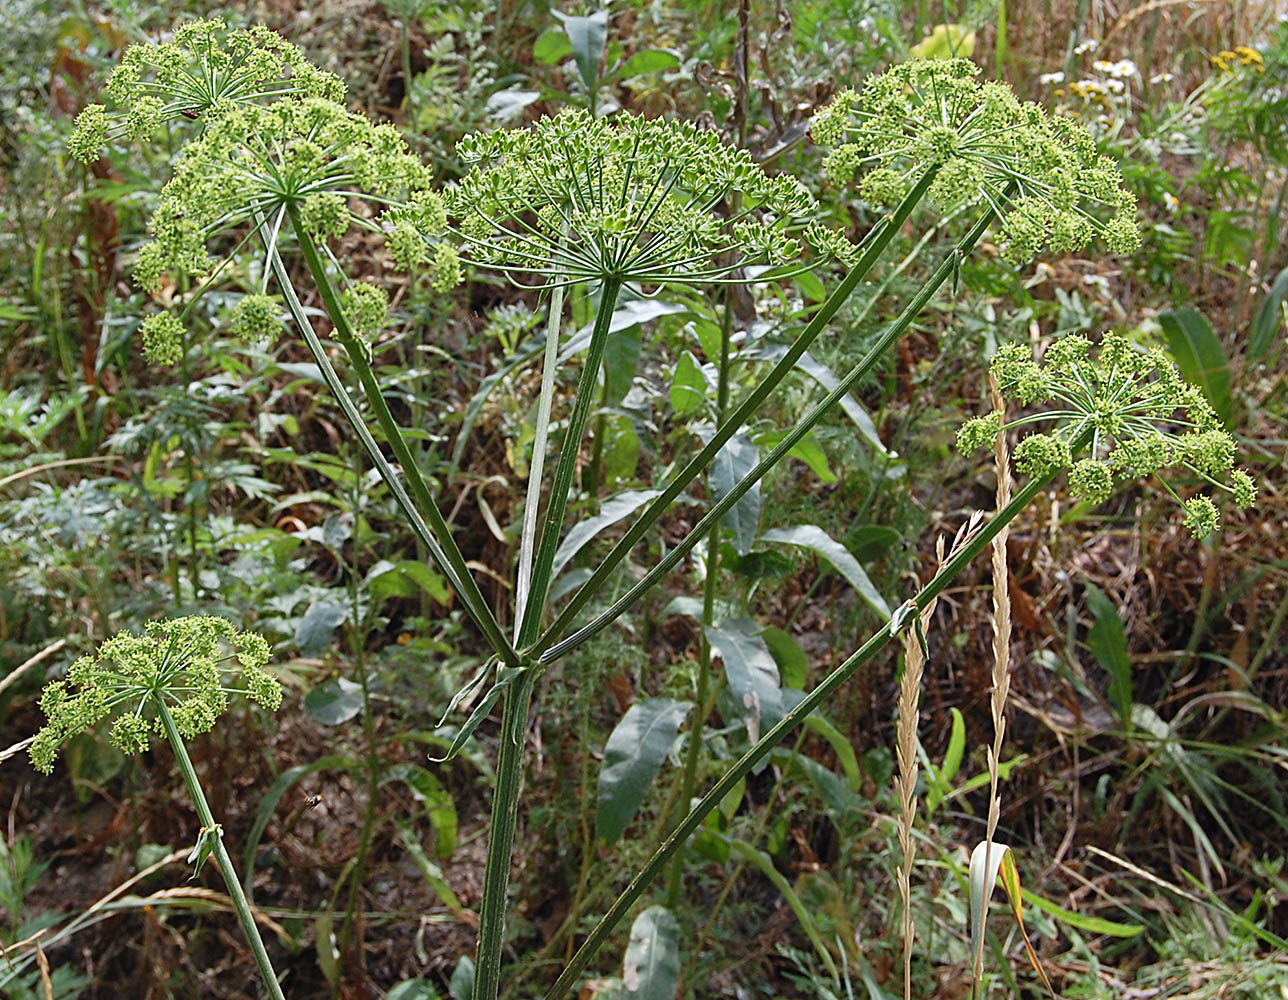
(825, 690)
(231, 882)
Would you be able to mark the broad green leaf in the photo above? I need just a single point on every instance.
(807, 450)
(956, 747)
(750, 670)
(736, 459)
(1200, 356)
(1082, 921)
(413, 989)
(1270, 318)
(1108, 643)
(633, 755)
(402, 579)
(621, 358)
(621, 448)
(688, 386)
(834, 790)
(551, 46)
(792, 662)
(314, 631)
(612, 511)
(647, 61)
(333, 702)
(461, 985)
(439, 807)
(840, 746)
(811, 536)
(651, 966)
(986, 862)
(587, 35)
(946, 41)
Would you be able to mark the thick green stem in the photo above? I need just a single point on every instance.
(505, 808)
(208, 826)
(693, 751)
(826, 689)
(439, 541)
(875, 244)
(548, 650)
(557, 505)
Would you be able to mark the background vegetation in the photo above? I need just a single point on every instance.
(1144, 788)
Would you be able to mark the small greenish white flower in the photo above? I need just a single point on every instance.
(578, 198)
(162, 339)
(1136, 413)
(256, 319)
(206, 70)
(367, 308)
(182, 663)
(1040, 174)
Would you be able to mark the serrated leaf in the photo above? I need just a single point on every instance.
(1200, 356)
(314, 631)
(812, 537)
(333, 702)
(651, 966)
(633, 755)
(612, 511)
(1108, 643)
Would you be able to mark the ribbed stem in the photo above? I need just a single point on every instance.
(808, 704)
(505, 808)
(231, 882)
(444, 548)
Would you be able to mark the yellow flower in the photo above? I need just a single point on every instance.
(1249, 57)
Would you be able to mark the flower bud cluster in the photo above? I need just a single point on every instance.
(1040, 174)
(578, 198)
(204, 71)
(182, 663)
(1142, 416)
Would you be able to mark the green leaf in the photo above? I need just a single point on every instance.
(433, 874)
(632, 757)
(689, 386)
(1269, 319)
(956, 747)
(812, 537)
(986, 862)
(334, 701)
(439, 807)
(792, 662)
(313, 633)
(551, 46)
(461, 985)
(612, 511)
(1200, 356)
(504, 105)
(587, 35)
(736, 459)
(621, 448)
(1082, 921)
(651, 966)
(402, 579)
(621, 358)
(413, 989)
(840, 746)
(647, 61)
(1108, 642)
(947, 41)
(750, 670)
(807, 450)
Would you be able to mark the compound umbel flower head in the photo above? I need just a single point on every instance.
(1141, 415)
(206, 69)
(1040, 174)
(577, 198)
(182, 662)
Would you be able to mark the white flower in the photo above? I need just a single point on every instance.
(1123, 68)
(1090, 45)
(1048, 78)
(1115, 86)
(1162, 78)
(1097, 281)
(1171, 201)
(1102, 66)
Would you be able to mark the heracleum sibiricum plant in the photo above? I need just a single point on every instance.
(173, 681)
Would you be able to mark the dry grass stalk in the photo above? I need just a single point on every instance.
(1001, 645)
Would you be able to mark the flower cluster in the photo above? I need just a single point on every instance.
(180, 663)
(577, 198)
(1140, 416)
(1040, 174)
(205, 71)
(1241, 55)
(306, 156)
